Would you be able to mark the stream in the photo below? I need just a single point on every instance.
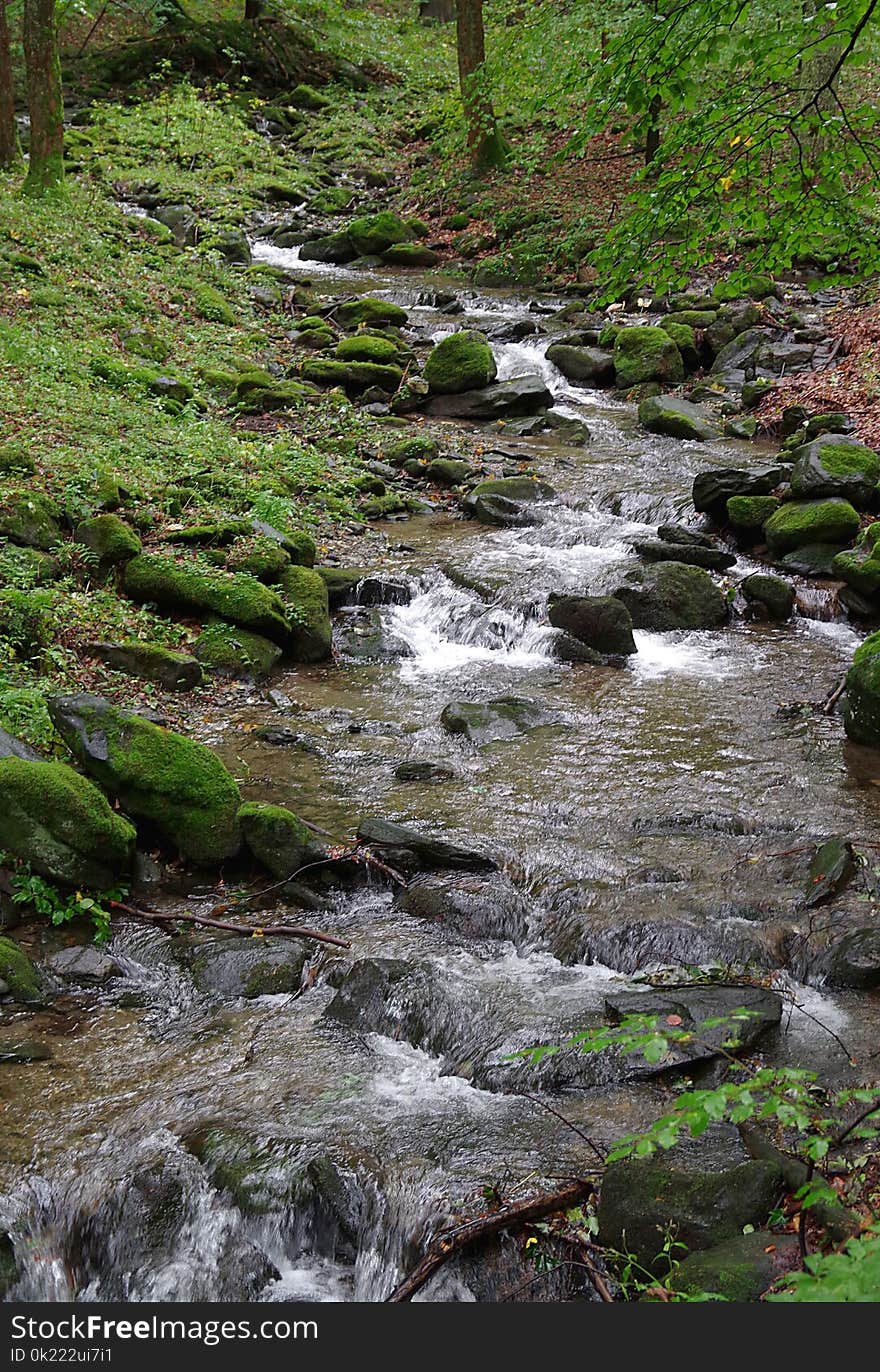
(183, 1145)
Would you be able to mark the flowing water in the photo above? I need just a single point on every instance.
(180, 1144)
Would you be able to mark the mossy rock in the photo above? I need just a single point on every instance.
(229, 651)
(673, 595)
(172, 671)
(331, 247)
(751, 511)
(26, 621)
(145, 343)
(373, 234)
(112, 541)
(211, 305)
(19, 973)
(771, 593)
(278, 839)
(643, 353)
(187, 588)
(318, 340)
(29, 518)
(230, 244)
(22, 568)
(367, 348)
(370, 312)
(352, 376)
(305, 97)
(677, 418)
(306, 600)
(283, 395)
(506, 501)
(739, 1270)
(419, 448)
(835, 465)
(341, 583)
(448, 471)
(246, 968)
(685, 340)
(694, 319)
(796, 523)
(753, 285)
(59, 822)
(462, 361)
(215, 535)
(178, 784)
(860, 571)
(410, 255)
(262, 557)
(332, 200)
(15, 460)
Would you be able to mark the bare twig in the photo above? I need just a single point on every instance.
(244, 930)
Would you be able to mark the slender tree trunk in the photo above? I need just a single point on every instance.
(46, 164)
(10, 151)
(485, 144)
(253, 9)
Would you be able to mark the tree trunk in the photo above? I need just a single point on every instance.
(10, 152)
(46, 164)
(486, 146)
(253, 9)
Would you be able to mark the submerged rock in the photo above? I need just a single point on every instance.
(177, 783)
(236, 967)
(488, 721)
(507, 500)
(475, 907)
(87, 965)
(408, 850)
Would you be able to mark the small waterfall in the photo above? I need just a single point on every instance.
(818, 602)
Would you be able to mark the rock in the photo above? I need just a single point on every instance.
(29, 519)
(232, 245)
(410, 255)
(332, 247)
(233, 652)
(172, 671)
(673, 595)
(177, 783)
(373, 234)
(88, 965)
(677, 418)
(381, 590)
(860, 570)
(188, 588)
(861, 716)
(713, 559)
(734, 322)
(112, 541)
(246, 968)
(353, 377)
(813, 559)
(507, 500)
(418, 448)
(13, 747)
(472, 906)
(521, 395)
(308, 608)
(57, 821)
(488, 721)
(21, 1050)
(182, 221)
(341, 583)
(682, 533)
(749, 513)
(368, 311)
(593, 366)
(448, 471)
(643, 353)
(740, 1269)
(409, 851)
(566, 648)
(367, 347)
(771, 593)
(853, 958)
(601, 622)
(462, 361)
(712, 490)
(640, 1201)
(278, 839)
(832, 868)
(18, 973)
(741, 426)
(836, 466)
(423, 772)
(798, 523)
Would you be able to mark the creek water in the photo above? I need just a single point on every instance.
(180, 1145)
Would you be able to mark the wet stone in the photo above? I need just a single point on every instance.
(87, 965)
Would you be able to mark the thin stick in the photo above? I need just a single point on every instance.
(536, 1100)
(246, 931)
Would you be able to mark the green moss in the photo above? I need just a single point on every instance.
(278, 839)
(371, 312)
(367, 348)
(211, 305)
(751, 511)
(643, 353)
(751, 285)
(419, 448)
(372, 234)
(29, 518)
(112, 541)
(185, 587)
(18, 972)
(862, 712)
(462, 361)
(214, 535)
(177, 783)
(352, 376)
(22, 568)
(332, 200)
(56, 820)
(772, 592)
(262, 557)
(25, 621)
(859, 571)
(234, 652)
(682, 335)
(306, 600)
(813, 521)
(410, 255)
(695, 319)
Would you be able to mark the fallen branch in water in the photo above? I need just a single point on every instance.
(454, 1241)
(244, 930)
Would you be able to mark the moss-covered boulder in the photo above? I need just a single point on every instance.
(278, 839)
(836, 465)
(172, 671)
(18, 973)
(29, 518)
(26, 621)
(770, 595)
(230, 651)
(751, 285)
(460, 362)
(490, 721)
(261, 557)
(369, 311)
(643, 353)
(861, 716)
(751, 512)
(712, 489)
(109, 538)
(677, 418)
(245, 968)
(306, 601)
(507, 501)
(584, 364)
(353, 377)
(368, 347)
(187, 588)
(56, 820)
(796, 523)
(178, 784)
(859, 570)
(372, 234)
(601, 622)
(211, 305)
(410, 255)
(419, 448)
(331, 247)
(739, 1270)
(673, 595)
(448, 471)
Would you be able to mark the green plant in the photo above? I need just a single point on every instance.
(60, 907)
